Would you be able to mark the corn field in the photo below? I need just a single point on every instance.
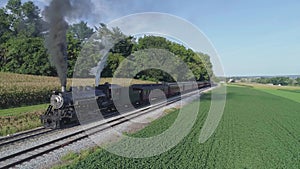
(18, 90)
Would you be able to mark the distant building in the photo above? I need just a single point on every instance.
(231, 81)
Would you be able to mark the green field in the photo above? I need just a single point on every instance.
(258, 130)
(22, 110)
(288, 94)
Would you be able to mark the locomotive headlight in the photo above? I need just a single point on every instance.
(57, 101)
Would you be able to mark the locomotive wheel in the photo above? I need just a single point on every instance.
(54, 125)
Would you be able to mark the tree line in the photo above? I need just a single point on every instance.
(22, 50)
(284, 81)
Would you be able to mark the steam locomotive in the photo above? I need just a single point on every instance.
(62, 109)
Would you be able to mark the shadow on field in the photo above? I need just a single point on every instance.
(208, 97)
(292, 91)
(228, 96)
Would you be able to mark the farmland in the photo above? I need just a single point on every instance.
(18, 90)
(258, 130)
(265, 86)
(288, 92)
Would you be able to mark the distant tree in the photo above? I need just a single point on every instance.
(31, 20)
(14, 11)
(280, 81)
(113, 62)
(207, 64)
(262, 80)
(148, 42)
(73, 49)
(122, 44)
(81, 31)
(117, 45)
(145, 64)
(24, 18)
(5, 32)
(198, 63)
(22, 45)
(298, 81)
(284, 81)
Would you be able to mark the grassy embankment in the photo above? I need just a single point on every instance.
(257, 130)
(23, 98)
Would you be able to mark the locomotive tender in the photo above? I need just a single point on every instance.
(61, 111)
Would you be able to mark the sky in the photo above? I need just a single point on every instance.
(251, 37)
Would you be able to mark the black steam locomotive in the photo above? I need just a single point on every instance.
(62, 109)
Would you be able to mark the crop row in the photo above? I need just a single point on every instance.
(18, 90)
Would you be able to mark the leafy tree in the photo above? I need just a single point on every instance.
(198, 63)
(21, 48)
(123, 47)
(280, 81)
(149, 42)
(15, 9)
(113, 62)
(122, 44)
(145, 64)
(81, 31)
(73, 49)
(104, 40)
(275, 81)
(14, 6)
(32, 22)
(298, 81)
(5, 31)
(24, 19)
(26, 56)
(207, 64)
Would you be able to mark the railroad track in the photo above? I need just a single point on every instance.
(54, 144)
(24, 135)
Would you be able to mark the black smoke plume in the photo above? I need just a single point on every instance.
(56, 42)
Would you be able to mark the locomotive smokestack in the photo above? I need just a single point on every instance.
(63, 89)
